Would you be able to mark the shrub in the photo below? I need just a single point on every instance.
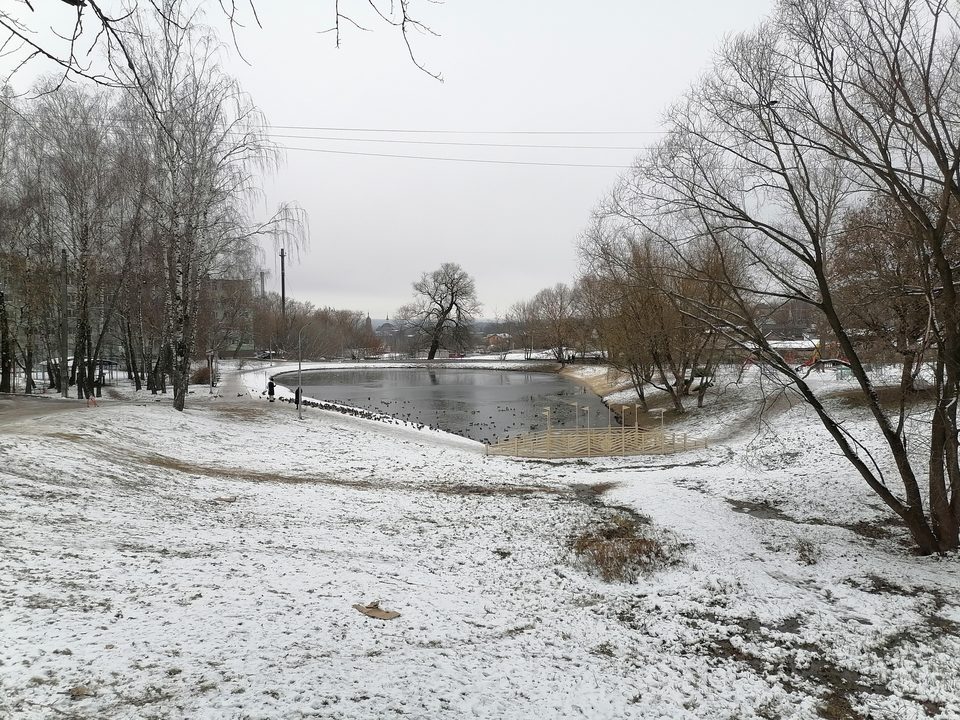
(807, 552)
(200, 376)
(622, 548)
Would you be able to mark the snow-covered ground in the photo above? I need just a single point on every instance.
(204, 564)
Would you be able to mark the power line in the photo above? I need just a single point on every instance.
(470, 132)
(450, 159)
(419, 131)
(633, 148)
(117, 124)
(121, 124)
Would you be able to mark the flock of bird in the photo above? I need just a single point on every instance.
(475, 424)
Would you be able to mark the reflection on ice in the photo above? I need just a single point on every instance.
(484, 405)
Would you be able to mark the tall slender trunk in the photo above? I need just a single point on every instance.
(637, 376)
(132, 358)
(159, 372)
(6, 348)
(29, 384)
(83, 370)
(669, 387)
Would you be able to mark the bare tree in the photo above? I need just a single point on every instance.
(555, 318)
(521, 320)
(444, 307)
(612, 312)
(92, 39)
(633, 281)
(876, 269)
(208, 139)
(799, 122)
(8, 220)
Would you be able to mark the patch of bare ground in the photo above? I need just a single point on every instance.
(838, 686)
(169, 463)
(503, 490)
(490, 490)
(599, 488)
(555, 463)
(880, 529)
(663, 466)
(889, 396)
(14, 408)
(801, 666)
(73, 437)
(240, 412)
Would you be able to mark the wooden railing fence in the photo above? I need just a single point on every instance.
(595, 442)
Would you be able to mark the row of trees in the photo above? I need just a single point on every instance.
(146, 192)
(816, 165)
(143, 238)
(814, 171)
(444, 311)
(315, 332)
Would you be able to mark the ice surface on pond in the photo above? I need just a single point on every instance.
(485, 405)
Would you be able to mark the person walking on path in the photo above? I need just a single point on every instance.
(270, 387)
(297, 397)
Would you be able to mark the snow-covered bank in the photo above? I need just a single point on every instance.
(204, 564)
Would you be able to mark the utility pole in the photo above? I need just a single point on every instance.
(283, 288)
(64, 371)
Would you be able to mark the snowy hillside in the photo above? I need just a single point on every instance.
(205, 564)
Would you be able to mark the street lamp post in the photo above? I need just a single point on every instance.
(663, 438)
(300, 371)
(589, 449)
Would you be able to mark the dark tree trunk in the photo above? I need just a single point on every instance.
(53, 376)
(638, 379)
(6, 348)
(132, 358)
(669, 387)
(29, 384)
(159, 379)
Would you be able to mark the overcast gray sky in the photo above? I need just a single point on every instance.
(508, 65)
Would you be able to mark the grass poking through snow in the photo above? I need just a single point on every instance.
(625, 546)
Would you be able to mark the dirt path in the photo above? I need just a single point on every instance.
(15, 408)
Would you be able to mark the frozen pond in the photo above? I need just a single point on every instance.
(485, 405)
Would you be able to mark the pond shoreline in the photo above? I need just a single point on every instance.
(461, 398)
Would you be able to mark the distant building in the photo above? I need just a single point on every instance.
(498, 342)
(389, 336)
(387, 330)
(792, 320)
(225, 319)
